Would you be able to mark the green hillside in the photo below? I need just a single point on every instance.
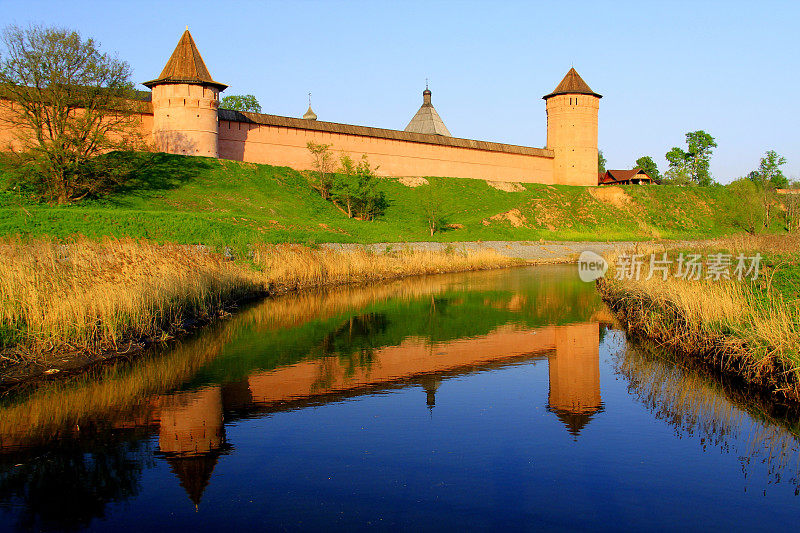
(200, 200)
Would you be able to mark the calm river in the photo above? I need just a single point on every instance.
(487, 400)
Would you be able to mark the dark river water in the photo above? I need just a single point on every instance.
(490, 400)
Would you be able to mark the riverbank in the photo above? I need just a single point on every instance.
(64, 305)
(749, 327)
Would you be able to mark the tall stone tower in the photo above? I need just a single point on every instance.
(185, 102)
(572, 130)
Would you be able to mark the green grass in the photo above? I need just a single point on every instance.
(199, 200)
(783, 274)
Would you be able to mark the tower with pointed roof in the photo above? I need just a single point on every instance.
(572, 130)
(427, 120)
(185, 101)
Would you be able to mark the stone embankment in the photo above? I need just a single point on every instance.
(531, 251)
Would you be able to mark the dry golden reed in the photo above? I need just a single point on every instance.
(83, 294)
(88, 295)
(292, 267)
(753, 332)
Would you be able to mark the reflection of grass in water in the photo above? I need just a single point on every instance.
(348, 347)
(695, 402)
(118, 392)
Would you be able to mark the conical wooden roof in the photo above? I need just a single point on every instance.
(572, 84)
(427, 120)
(185, 65)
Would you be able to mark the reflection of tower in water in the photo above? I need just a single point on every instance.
(192, 437)
(575, 376)
(430, 383)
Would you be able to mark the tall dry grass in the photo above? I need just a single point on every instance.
(84, 295)
(734, 324)
(291, 267)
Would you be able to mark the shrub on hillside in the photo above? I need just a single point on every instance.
(744, 206)
(355, 189)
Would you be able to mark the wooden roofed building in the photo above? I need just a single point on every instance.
(634, 176)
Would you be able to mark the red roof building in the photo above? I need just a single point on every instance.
(635, 176)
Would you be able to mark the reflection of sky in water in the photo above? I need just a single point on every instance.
(480, 400)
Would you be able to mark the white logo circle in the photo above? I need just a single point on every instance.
(591, 266)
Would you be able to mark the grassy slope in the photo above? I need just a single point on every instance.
(191, 200)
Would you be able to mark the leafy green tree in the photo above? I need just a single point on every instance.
(70, 102)
(768, 178)
(241, 102)
(321, 178)
(601, 162)
(345, 185)
(678, 171)
(355, 189)
(649, 166)
(769, 173)
(701, 145)
(743, 205)
(691, 166)
(432, 206)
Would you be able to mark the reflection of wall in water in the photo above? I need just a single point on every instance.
(572, 350)
(191, 422)
(191, 432)
(415, 356)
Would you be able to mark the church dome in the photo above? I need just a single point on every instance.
(310, 115)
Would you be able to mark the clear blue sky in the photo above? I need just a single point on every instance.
(664, 68)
